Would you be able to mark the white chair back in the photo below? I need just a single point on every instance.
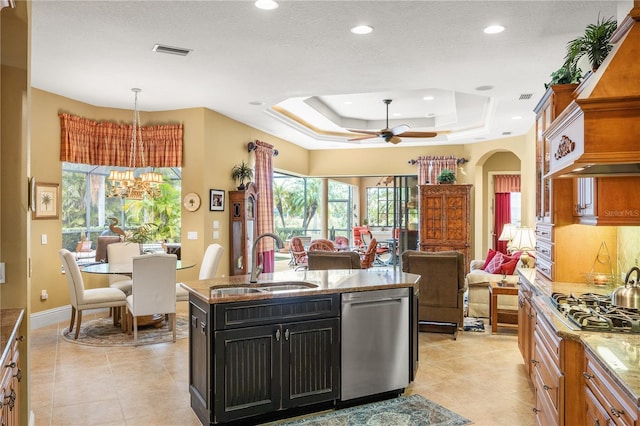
(210, 261)
(121, 253)
(74, 277)
(154, 284)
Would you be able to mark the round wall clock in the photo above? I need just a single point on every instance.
(191, 202)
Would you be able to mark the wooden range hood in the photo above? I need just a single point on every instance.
(598, 134)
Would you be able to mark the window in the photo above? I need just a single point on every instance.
(296, 204)
(87, 210)
(339, 202)
(380, 206)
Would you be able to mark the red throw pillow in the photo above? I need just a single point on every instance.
(509, 267)
(490, 256)
(494, 265)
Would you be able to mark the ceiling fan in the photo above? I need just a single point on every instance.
(391, 135)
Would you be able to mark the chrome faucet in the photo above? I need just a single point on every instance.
(255, 267)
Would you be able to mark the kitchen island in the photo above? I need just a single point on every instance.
(274, 348)
(580, 377)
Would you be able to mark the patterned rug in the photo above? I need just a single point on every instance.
(402, 411)
(473, 324)
(102, 332)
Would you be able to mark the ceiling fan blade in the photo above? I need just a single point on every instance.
(366, 132)
(418, 134)
(400, 129)
(363, 137)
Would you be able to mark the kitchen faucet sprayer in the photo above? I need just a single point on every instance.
(256, 267)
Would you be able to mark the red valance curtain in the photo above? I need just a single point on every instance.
(264, 214)
(109, 144)
(429, 167)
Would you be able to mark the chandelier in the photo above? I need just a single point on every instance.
(125, 184)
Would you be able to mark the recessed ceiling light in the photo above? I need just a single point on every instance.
(256, 103)
(362, 29)
(396, 114)
(516, 117)
(266, 4)
(348, 102)
(494, 29)
(428, 98)
(431, 114)
(483, 88)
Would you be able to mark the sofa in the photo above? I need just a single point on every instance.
(478, 282)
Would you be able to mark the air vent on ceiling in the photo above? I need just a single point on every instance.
(525, 96)
(160, 48)
(506, 133)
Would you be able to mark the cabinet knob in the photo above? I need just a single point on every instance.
(546, 387)
(535, 362)
(277, 335)
(536, 410)
(20, 338)
(203, 327)
(286, 334)
(18, 375)
(10, 365)
(587, 375)
(11, 399)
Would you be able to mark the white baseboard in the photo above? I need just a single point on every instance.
(53, 316)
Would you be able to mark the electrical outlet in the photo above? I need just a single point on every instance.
(2, 273)
(43, 239)
(192, 235)
(216, 235)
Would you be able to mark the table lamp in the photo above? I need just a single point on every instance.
(525, 241)
(508, 232)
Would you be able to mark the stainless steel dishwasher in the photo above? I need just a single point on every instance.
(375, 342)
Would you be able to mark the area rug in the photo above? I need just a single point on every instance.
(402, 411)
(102, 332)
(473, 324)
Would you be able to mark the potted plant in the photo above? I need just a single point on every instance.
(446, 176)
(242, 173)
(566, 74)
(594, 43)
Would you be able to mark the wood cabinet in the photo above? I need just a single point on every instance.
(11, 374)
(526, 324)
(259, 357)
(607, 200)
(606, 403)
(444, 219)
(242, 216)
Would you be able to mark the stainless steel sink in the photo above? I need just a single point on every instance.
(286, 286)
(234, 291)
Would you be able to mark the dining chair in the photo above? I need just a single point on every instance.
(119, 253)
(82, 299)
(321, 244)
(208, 269)
(101, 248)
(153, 290)
(298, 253)
(342, 243)
(323, 260)
(368, 258)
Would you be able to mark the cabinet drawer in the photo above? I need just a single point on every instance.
(548, 373)
(620, 408)
(545, 267)
(547, 336)
(544, 251)
(544, 232)
(273, 311)
(546, 415)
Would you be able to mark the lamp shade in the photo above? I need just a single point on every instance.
(508, 232)
(524, 239)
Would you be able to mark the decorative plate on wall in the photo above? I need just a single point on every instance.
(191, 202)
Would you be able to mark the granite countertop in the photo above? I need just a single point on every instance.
(324, 282)
(10, 319)
(618, 353)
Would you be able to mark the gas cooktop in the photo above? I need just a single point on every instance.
(594, 312)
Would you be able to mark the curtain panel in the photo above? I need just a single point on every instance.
(109, 144)
(506, 183)
(264, 214)
(429, 167)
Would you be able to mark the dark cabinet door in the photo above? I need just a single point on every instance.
(247, 372)
(199, 361)
(311, 362)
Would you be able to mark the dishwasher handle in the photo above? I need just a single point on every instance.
(385, 300)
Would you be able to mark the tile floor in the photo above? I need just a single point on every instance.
(479, 376)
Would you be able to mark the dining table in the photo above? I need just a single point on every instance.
(127, 269)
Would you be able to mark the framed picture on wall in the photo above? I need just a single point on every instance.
(46, 201)
(216, 200)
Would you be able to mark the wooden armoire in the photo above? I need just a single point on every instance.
(445, 215)
(242, 224)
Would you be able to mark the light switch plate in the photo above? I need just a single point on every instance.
(192, 235)
(216, 224)
(43, 239)
(2, 273)
(216, 235)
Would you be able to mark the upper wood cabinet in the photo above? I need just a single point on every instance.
(607, 201)
(444, 218)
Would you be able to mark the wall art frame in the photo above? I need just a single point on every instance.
(216, 200)
(46, 201)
